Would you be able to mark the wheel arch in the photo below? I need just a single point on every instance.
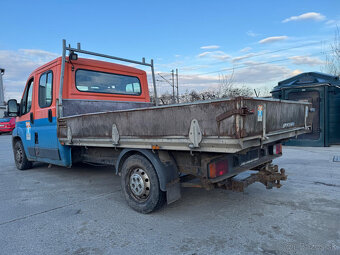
(166, 172)
(15, 139)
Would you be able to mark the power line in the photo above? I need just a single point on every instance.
(284, 49)
(266, 53)
(164, 79)
(243, 66)
(247, 66)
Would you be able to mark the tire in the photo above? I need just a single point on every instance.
(20, 157)
(140, 185)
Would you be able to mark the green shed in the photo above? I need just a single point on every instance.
(323, 91)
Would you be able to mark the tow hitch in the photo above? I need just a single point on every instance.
(268, 175)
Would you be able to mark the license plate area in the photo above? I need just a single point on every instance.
(248, 157)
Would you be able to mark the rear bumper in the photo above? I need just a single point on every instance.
(239, 169)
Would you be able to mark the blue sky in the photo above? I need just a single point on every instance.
(203, 39)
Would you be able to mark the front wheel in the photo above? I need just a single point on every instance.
(140, 185)
(20, 157)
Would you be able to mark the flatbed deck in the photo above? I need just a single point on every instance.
(224, 126)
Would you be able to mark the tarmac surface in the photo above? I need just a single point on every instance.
(81, 210)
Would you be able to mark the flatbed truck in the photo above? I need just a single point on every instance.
(84, 110)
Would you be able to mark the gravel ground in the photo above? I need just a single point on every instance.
(82, 211)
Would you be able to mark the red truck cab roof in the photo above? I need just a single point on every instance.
(70, 90)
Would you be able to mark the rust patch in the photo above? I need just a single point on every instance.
(268, 175)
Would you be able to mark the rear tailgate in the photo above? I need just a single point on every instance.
(273, 116)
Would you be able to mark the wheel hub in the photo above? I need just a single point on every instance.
(18, 156)
(139, 184)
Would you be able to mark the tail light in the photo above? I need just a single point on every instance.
(218, 168)
(277, 148)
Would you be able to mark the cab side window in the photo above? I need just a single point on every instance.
(45, 89)
(27, 99)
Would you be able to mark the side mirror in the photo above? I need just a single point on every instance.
(12, 108)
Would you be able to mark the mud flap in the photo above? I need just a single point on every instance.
(173, 191)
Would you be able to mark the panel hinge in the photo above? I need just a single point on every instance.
(195, 134)
(115, 135)
(69, 135)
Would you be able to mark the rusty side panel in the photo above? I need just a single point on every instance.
(153, 121)
(175, 120)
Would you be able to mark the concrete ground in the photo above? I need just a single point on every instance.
(81, 211)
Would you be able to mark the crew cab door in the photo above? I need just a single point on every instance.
(45, 125)
(25, 123)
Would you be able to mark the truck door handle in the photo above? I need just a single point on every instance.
(31, 118)
(50, 115)
(36, 139)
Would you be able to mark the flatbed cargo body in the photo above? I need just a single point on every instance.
(222, 127)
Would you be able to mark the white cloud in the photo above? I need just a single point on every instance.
(210, 47)
(188, 82)
(305, 60)
(246, 49)
(203, 54)
(252, 34)
(332, 23)
(261, 74)
(192, 68)
(239, 58)
(19, 64)
(306, 16)
(273, 39)
(219, 55)
(254, 76)
(36, 53)
(296, 72)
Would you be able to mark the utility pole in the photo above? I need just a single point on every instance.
(173, 86)
(2, 96)
(171, 82)
(177, 85)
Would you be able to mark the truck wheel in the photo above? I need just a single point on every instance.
(140, 185)
(20, 158)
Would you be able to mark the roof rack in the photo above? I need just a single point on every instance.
(79, 50)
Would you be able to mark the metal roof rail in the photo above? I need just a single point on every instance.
(79, 50)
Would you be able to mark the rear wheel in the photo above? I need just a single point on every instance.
(20, 157)
(140, 185)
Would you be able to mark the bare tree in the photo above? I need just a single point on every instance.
(228, 88)
(166, 98)
(226, 84)
(332, 65)
(263, 91)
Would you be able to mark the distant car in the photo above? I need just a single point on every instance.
(7, 125)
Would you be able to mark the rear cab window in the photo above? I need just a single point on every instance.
(107, 83)
(45, 93)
